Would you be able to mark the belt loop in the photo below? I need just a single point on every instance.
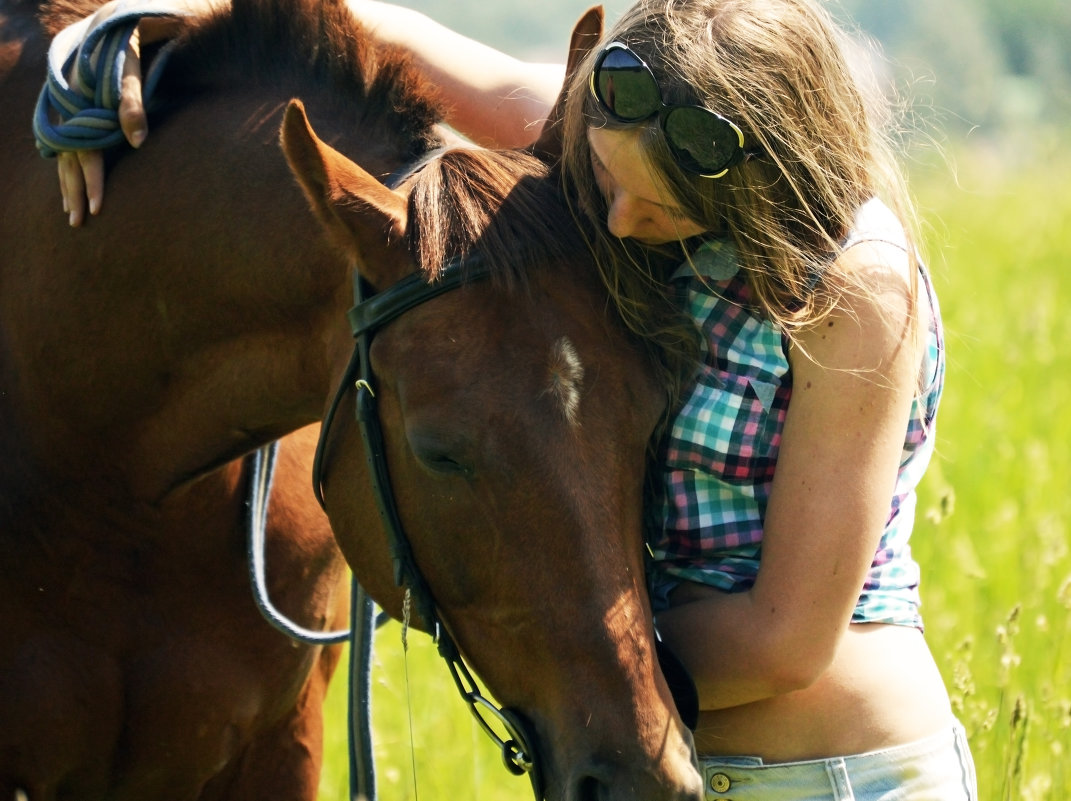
(966, 762)
(838, 779)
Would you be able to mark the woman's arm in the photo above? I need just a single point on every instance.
(492, 98)
(854, 378)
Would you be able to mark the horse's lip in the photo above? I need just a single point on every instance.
(554, 775)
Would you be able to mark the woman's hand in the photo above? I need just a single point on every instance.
(81, 173)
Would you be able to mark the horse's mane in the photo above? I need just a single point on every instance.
(276, 43)
(503, 204)
(371, 88)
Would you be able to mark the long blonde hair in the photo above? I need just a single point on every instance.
(781, 71)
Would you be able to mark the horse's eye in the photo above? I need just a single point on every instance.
(445, 465)
(439, 456)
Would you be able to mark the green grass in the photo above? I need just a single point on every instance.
(992, 536)
(994, 540)
(443, 755)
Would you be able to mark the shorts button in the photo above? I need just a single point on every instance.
(720, 783)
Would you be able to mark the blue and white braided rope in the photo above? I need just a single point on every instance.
(87, 106)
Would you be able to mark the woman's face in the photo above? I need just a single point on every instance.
(634, 194)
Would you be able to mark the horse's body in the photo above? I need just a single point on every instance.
(200, 316)
(133, 662)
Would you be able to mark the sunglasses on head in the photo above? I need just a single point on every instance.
(701, 141)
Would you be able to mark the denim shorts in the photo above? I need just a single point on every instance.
(936, 768)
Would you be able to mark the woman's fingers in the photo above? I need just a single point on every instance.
(72, 187)
(92, 168)
(81, 177)
(132, 117)
(81, 173)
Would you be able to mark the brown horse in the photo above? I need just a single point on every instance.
(200, 317)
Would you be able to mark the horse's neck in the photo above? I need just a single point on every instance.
(200, 314)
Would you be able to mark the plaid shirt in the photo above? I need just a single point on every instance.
(720, 454)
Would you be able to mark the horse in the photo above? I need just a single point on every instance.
(202, 316)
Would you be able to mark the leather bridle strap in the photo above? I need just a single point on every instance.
(371, 313)
(366, 317)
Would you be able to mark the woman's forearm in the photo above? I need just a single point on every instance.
(492, 98)
(738, 651)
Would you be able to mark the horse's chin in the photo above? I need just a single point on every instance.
(569, 770)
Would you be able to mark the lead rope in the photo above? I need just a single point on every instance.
(262, 470)
(406, 606)
(359, 709)
(87, 106)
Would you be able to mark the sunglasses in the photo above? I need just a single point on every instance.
(702, 142)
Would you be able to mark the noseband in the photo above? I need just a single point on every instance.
(368, 315)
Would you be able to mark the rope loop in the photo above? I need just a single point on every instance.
(87, 106)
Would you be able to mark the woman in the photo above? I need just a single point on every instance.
(733, 133)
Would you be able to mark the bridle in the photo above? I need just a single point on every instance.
(369, 313)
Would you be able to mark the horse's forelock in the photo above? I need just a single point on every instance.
(505, 205)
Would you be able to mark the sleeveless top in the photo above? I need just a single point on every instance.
(719, 456)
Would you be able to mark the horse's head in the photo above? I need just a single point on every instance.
(516, 416)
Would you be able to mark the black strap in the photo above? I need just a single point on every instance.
(366, 317)
(371, 313)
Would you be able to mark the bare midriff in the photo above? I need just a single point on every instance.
(882, 690)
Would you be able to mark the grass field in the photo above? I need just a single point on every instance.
(992, 537)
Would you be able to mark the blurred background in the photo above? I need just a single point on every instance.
(986, 86)
(979, 67)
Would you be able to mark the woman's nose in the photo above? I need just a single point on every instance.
(622, 216)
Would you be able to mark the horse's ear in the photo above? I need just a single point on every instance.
(586, 34)
(361, 216)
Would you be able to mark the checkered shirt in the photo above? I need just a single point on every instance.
(720, 454)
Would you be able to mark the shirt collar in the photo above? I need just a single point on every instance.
(714, 259)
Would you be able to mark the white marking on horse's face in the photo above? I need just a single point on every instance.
(566, 374)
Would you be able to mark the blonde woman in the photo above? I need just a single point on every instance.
(731, 136)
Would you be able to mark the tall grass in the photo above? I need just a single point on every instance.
(993, 540)
(993, 530)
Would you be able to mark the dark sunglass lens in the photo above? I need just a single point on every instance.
(701, 141)
(625, 86)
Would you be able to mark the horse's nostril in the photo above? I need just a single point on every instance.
(590, 788)
(620, 783)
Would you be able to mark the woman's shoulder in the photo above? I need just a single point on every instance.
(874, 282)
(875, 222)
(876, 266)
